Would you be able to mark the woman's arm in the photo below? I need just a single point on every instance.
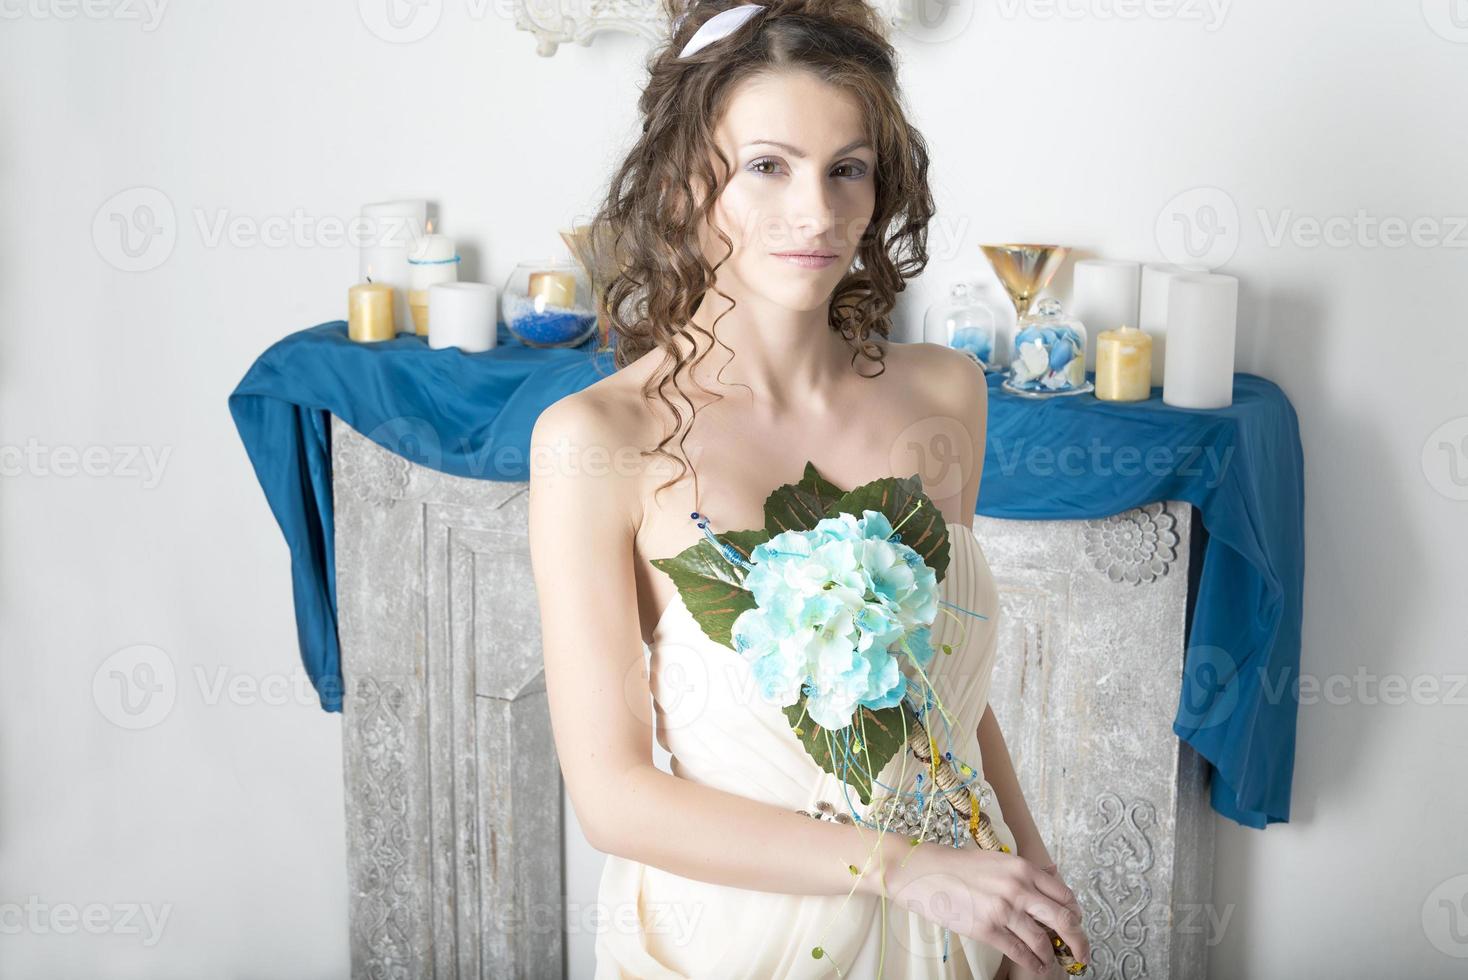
(584, 509)
(970, 406)
(999, 771)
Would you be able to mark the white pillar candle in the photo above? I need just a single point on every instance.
(1202, 320)
(432, 259)
(1104, 297)
(1152, 313)
(462, 315)
(389, 229)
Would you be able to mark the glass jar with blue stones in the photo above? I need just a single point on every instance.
(547, 303)
(1049, 354)
(966, 320)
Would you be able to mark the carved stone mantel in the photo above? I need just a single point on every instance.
(453, 795)
(1093, 621)
(454, 803)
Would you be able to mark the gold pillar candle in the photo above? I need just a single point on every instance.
(418, 306)
(552, 289)
(1123, 365)
(370, 312)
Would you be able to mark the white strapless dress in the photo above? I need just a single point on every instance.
(720, 732)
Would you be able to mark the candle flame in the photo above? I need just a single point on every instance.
(430, 226)
(369, 273)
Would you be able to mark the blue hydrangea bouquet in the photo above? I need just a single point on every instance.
(826, 606)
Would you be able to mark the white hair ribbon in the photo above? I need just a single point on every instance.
(719, 26)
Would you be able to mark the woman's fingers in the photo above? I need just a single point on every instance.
(1050, 885)
(1034, 938)
(1018, 950)
(1053, 887)
(1066, 922)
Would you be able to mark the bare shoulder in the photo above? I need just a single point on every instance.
(949, 397)
(615, 402)
(578, 446)
(592, 412)
(945, 379)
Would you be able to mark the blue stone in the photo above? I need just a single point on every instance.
(1061, 354)
(974, 341)
(1025, 336)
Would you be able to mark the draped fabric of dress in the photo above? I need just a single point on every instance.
(720, 732)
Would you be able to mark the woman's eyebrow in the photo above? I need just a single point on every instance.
(796, 151)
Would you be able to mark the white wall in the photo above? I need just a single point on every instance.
(1069, 122)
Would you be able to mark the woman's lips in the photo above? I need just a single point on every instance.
(806, 261)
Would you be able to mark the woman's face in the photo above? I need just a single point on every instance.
(804, 183)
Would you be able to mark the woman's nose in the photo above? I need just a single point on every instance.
(813, 207)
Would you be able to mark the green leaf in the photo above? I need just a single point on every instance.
(711, 586)
(799, 506)
(883, 733)
(912, 513)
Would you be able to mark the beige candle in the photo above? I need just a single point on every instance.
(370, 312)
(1123, 365)
(552, 289)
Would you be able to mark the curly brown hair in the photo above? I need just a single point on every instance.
(652, 215)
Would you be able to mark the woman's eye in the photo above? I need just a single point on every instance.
(854, 170)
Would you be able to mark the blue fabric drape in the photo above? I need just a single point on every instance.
(1061, 458)
(1243, 468)
(465, 414)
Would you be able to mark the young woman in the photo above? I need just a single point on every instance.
(774, 204)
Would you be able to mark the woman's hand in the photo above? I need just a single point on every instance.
(998, 898)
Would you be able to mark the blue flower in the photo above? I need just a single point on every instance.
(838, 608)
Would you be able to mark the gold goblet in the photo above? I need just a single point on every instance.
(1024, 270)
(599, 260)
